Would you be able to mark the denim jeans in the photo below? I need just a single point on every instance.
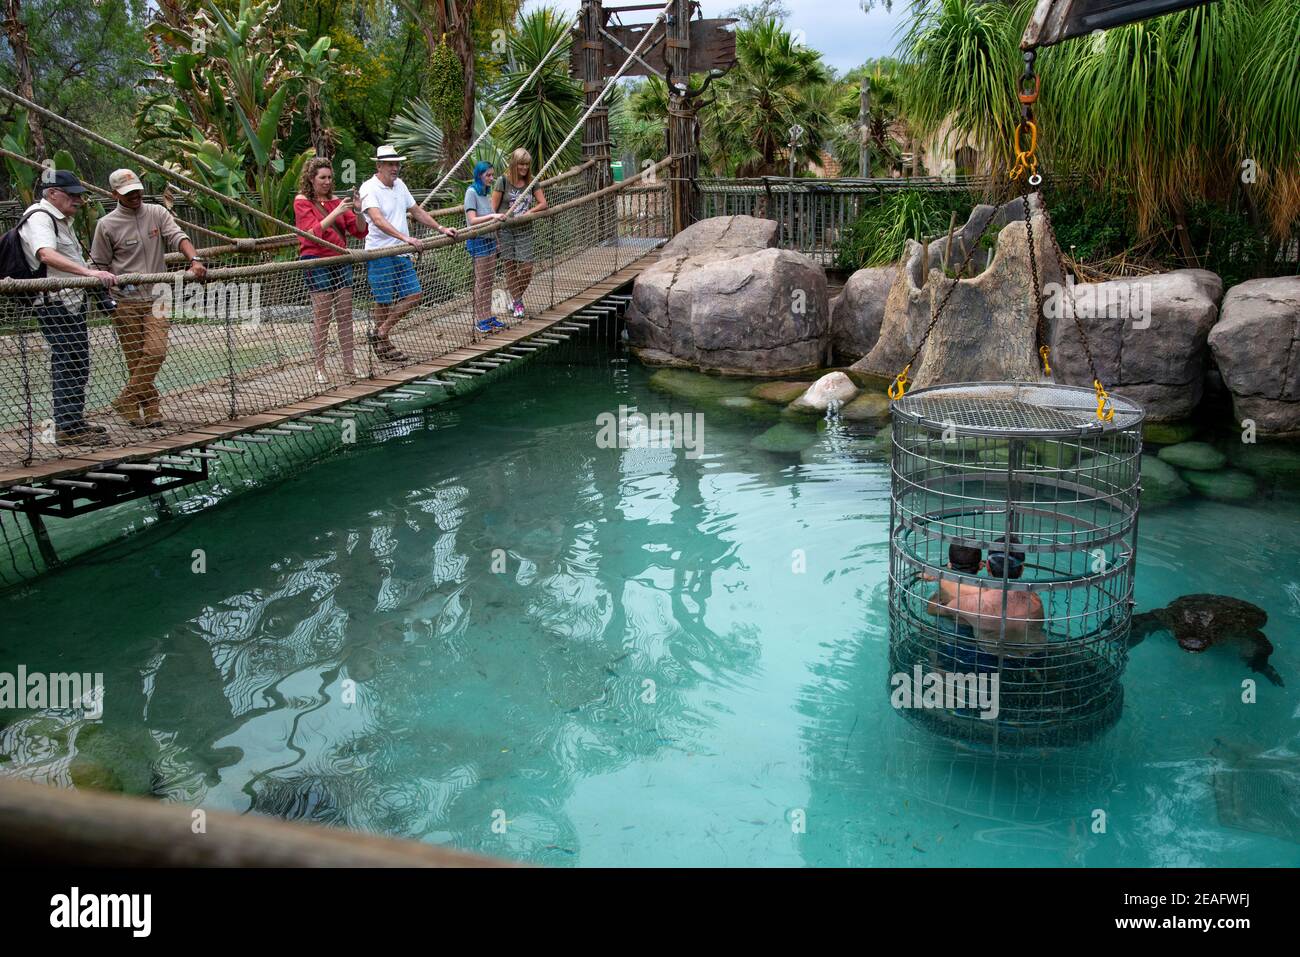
(69, 341)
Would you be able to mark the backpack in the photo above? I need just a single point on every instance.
(13, 261)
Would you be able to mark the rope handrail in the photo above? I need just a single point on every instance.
(100, 191)
(24, 286)
(469, 151)
(158, 167)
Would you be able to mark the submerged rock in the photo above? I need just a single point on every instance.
(785, 437)
(781, 392)
(694, 386)
(1229, 486)
(834, 387)
(867, 407)
(1274, 461)
(1167, 433)
(748, 407)
(1161, 482)
(1257, 347)
(1198, 456)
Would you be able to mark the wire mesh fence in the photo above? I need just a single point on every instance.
(1013, 546)
(164, 353)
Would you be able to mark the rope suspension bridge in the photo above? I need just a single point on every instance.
(240, 367)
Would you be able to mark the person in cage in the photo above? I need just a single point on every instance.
(316, 211)
(510, 197)
(45, 231)
(482, 249)
(386, 203)
(977, 614)
(135, 238)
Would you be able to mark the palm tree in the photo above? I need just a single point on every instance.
(551, 105)
(776, 83)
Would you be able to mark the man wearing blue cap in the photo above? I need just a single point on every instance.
(48, 240)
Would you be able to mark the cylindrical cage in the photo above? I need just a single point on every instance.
(1046, 614)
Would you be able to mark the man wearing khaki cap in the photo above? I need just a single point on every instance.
(134, 238)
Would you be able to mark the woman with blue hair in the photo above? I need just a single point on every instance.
(482, 249)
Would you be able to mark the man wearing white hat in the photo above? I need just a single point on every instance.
(133, 238)
(386, 202)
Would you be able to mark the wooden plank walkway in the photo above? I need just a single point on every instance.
(343, 395)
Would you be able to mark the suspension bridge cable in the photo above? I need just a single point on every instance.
(159, 168)
(564, 35)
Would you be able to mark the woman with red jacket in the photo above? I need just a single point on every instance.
(332, 220)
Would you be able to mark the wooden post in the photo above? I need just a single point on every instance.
(681, 116)
(595, 133)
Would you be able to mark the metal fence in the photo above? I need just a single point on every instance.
(813, 214)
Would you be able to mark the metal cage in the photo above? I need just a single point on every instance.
(1047, 614)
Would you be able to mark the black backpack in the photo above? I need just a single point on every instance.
(13, 261)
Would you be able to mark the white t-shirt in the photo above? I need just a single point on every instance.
(393, 202)
(40, 232)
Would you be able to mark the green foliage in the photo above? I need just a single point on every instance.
(1169, 106)
(1230, 245)
(776, 83)
(879, 236)
(223, 103)
(965, 60)
(1095, 224)
(446, 85)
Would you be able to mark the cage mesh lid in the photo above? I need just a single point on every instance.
(1015, 407)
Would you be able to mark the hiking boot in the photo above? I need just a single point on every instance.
(82, 435)
(128, 408)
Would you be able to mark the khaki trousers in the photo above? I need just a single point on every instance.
(143, 337)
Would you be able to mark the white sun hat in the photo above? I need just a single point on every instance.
(386, 154)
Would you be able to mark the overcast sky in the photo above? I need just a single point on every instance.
(839, 29)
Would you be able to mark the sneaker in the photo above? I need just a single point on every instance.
(484, 325)
(320, 377)
(517, 310)
(497, 323)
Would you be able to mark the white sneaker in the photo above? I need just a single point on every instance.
(320, 377)
(518, 310)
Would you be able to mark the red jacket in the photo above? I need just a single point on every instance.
(308, 216)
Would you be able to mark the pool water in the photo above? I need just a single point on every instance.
(488, 632)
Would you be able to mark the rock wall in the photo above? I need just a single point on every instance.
(986, 331)
(1147, 336)
(1257, 346)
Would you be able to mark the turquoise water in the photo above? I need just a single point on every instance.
(640, 675)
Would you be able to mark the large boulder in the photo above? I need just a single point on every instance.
(1257, 346)
(987, 329)
(1147, 336)
(857, 312)
(715, 302)
(722, 237)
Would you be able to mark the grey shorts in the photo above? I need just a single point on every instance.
(516, 243)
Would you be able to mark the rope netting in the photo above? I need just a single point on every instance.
(253, 335)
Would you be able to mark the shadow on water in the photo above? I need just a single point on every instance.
(420, 638)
